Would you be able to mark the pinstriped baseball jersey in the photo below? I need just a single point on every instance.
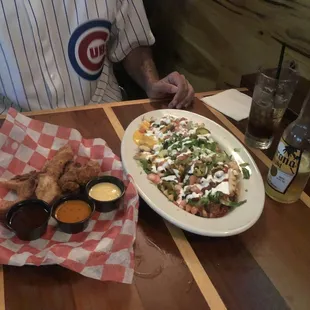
(59, 53)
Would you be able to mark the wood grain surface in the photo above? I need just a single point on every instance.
(206, 287)
(251, 250)
(214, 43)
(266, 267)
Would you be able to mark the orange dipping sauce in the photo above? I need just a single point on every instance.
(73, 211)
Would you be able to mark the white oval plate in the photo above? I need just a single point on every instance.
(235, 222)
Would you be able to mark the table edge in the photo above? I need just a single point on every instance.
(113, 104)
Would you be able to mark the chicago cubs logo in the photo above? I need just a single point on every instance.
(87, 48)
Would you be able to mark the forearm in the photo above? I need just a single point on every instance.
(140, 66)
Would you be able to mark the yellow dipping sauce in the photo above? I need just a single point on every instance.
(73, 211)
(105, 192)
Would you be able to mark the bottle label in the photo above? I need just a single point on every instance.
(285, 167)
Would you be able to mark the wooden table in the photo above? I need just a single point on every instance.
(266, 267)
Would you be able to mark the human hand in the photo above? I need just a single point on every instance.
(173, 84)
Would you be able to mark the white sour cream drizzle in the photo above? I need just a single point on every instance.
(161, 164)
(170, 178)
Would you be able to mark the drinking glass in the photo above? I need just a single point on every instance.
(269, 103)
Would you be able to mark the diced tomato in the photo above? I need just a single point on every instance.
(178, 187)
(192, 180)
(183, 157)
(188, 208)
(195, 189)
(155, 178)
(182, 203)
(194, 210)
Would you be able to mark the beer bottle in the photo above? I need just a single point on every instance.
(290, 169)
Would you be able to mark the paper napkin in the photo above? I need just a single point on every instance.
(230, 102)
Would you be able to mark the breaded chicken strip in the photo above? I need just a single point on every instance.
(47, 188)
(55, 166)
(24, 185)
(76, 175)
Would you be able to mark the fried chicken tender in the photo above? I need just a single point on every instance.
(55, 166)
(67, 181)
(24, 185)
(47, 188)
(87, 172)
(76, 175)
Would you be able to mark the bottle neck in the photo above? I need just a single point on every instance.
(305, 110)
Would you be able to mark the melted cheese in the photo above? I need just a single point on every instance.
(141, 139)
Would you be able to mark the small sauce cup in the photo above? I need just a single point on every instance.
(72, 227)
(29, 219)
(106, 205)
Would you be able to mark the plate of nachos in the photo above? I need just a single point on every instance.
(193, 172)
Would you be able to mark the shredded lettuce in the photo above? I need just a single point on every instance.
(246, 173)
(146, 165)
(233, 204)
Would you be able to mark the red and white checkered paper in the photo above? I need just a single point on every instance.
(104, 251)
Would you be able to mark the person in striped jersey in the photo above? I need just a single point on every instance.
(60, 53)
